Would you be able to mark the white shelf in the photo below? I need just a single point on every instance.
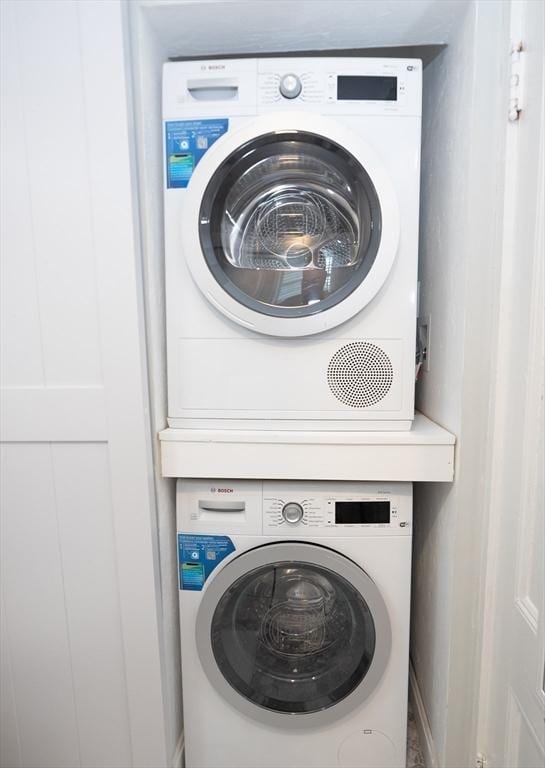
(425, 453)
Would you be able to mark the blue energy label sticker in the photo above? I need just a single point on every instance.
(186, 141)
(198, 556)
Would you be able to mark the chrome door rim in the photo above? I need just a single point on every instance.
(302, 553)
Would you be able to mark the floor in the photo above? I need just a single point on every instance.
(415, 758)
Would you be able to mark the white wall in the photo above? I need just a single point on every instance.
(448, 83)
(81, 646)
(213, 27)
(147, 56)
(464, 124)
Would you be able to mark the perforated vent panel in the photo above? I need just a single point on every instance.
(360, 374)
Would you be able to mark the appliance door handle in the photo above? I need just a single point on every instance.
(223, 506)
(216, 89)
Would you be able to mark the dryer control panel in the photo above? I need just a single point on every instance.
(346, 86)
(326, 85)
(290, 508)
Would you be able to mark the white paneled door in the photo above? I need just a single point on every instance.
(511, 729)
(80, 645)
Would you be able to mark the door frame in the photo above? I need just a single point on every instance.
(517, 415)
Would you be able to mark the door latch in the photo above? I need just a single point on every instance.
(516, 81)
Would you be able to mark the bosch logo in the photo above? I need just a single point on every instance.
(221, 490)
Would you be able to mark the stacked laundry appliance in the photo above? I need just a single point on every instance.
(291, 234)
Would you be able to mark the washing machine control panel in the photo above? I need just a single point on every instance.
(292, 508)
(358, 508)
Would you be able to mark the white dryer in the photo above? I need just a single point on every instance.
(291, 211)
(294, 606)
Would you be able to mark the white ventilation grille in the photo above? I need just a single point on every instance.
(360, 374)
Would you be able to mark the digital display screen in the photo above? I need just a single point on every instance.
(359, 512)
(366, 88)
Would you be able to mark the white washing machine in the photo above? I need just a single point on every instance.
(294, 605)
(291, 209)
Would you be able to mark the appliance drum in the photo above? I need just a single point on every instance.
(290, 224)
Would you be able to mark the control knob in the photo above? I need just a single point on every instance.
(292, 512)
(290, 86)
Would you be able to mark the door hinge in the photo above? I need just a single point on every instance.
(481, 761)
(516, 81)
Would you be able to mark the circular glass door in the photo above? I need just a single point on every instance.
(290, 224)
(293, 636)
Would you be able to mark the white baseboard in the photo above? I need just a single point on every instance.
(178, 758)
(421, 718)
